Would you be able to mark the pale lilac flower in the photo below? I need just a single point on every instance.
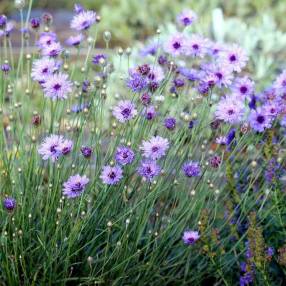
(230, 110)
(57, 86)
(124, 155)
(111, 175)
(149, 49)
(243, 87)
(53, 50)
(75, 40)
(259, 120)
(155, 148)
(175, 45)
(280, 83)
(187, 17)
(46, 39)
(75, 186)
(66, 147)
(78, 8)
(148, 169)
(51, 147)
(222, 74)
(156, 74)
(191, 169)
(273, 108)
(124, 111)
(42, 68)
(195, 46)
(190, 237)
(236, 57)
(83, 20)
(221, 140)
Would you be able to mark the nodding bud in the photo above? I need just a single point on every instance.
(19, 4)
(35, 23)
(107, 36)
(36, 120)
(47, 19)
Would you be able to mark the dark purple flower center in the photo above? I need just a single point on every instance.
(232, 58)
(176, 45)
(219, 75)
(85, 24)
(57, 87)
(53, 148)
(155, 149)
(191, 240)
(186, 21)
(284, 82)
(260, 119)
(126, 112)
(125, 155)
(148, 170)
(45, 70)
(77, 187)
(230, 112)
(243, 89)
(195, 46)
(112, 175)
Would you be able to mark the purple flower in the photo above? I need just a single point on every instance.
(83, 20)
(187, 17)
(66, 147)
(190, 237)
(124, 111)
(46, 39)
(3, 21)
(145, 98)
(236, 57)
(124, 155)
(136, 82)
(42, 68)
(155, 148)
(170, 123)
(156, 74)
(86, 151)
(192, 169)
(5, 68)
(53, 50)
(75, 186)
(215, 49)
(149, 169)
(243, 87)
(98, 58)
(190, 74)
(222, 74)
(78, 8)
(150, 112)
(175, 45)
(51, 147)
(35, 23)
(230, 136)
(150, 49)
(111, 175)
(221, 140)
(195, 46)
(259, 120)
(230, 110)
(9, 204)
(272, 108)
(215, 161)
(57, 86)
(75, 40)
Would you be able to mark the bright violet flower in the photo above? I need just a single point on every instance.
(57, 86)
(9, 204)
(111, 175)
(124, 155)
(83, 20)
(190, 237)
(192, 169)
(230, 110)
(149, 169)
(259, 120)
(155, 148)
(75, 186)
(124, 111)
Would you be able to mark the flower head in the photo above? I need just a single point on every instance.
(136, 82)
(124, 155)
(86, 151)
(9, 204)
(111, 175)
(149, 169)
(195, 46)
(187, 17)
(280, 83)
(57, 86)
(192, 169)
(175, 45)
(42, 68)
(46, 39)
(243, 87)
(170, 123)
(75, 40)
(124, 111)
(155, 148)
(83, 20)
(190, 237)
(259, 120)
(75, 186)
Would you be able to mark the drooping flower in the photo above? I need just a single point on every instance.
(124, 155)
(75, 40)
(190, 237)
(230, 110)
(111, 175)
(175, 45)
(148, 169)
(192, 169)
(124, 111)
(83, 20)
(5, 68)
(9, 204)
(236, 57)
(51, 147)
(42, 68)
(259, 120)
(57, 86)
(187, 17)
(75, 186)
(155, 148)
